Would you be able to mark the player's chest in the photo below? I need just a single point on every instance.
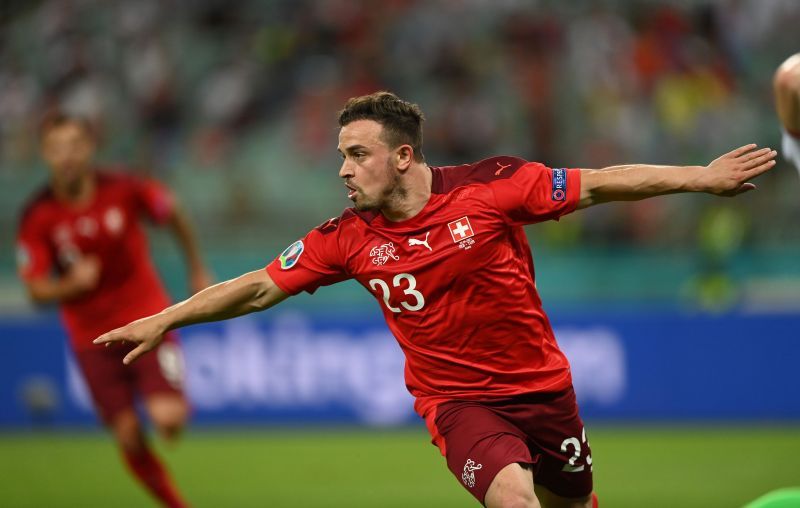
(428, 258)
(89, 230)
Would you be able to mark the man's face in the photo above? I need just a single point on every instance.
(68, 150)
(368, 170)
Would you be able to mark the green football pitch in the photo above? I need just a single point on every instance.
(640, 466)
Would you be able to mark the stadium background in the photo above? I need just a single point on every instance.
(680, 314)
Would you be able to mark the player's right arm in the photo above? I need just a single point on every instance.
(36, 264)
(251, 292)
(81, 277)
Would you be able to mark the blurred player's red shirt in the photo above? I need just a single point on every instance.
(53, 233)
(455, 282)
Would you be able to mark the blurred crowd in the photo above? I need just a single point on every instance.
(233, 102)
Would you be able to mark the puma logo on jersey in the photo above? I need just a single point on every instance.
(502, 167)
(413, 241)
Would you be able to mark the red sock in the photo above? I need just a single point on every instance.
(149, 470)
(595, 504)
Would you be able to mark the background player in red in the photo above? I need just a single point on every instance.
(443, 251)
(82, 244)
(787, 103)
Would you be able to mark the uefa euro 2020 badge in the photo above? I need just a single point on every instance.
(291, 255)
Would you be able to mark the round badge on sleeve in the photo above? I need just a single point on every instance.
(291, 255)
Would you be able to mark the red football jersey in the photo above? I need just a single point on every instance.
(52, 234)
(455, 282)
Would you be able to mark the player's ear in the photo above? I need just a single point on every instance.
(404, 156)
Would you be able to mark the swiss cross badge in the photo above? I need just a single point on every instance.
(462, 233)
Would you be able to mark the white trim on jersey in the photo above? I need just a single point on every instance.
(790, 146)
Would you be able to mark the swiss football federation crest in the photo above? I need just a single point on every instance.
(468, 476)
(291, 255)
(559, 184)
(383, 253)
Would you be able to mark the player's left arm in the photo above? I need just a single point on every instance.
(157, 202)
(180, 225)
(727, 175)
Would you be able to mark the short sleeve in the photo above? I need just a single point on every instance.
(34, 256)
(308, 264)
(536, 193)
(154, 199)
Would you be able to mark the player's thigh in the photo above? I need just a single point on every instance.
(109, 381)
(512, 486)
(160, 380)
(549, 499)
(558, 439)
(478, 444)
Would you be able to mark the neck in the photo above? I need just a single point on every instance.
(77, 191)
(411, 195)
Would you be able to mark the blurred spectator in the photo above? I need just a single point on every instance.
(251, 88)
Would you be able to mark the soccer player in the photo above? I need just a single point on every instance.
(787, 103)
(443, 251)
(81, 243)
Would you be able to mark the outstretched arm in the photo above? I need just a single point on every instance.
(727, 175)
(251, 292)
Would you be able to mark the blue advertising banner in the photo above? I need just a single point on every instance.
(302, 366)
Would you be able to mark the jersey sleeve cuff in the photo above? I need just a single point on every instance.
(275, 274)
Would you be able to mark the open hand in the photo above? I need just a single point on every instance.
(729, 174)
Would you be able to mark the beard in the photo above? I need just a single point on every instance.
(393, 192)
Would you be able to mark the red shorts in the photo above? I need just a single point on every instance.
(540, 430)
(114, 386)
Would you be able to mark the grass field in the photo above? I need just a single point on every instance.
(638, 467)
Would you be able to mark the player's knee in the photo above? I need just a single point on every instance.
(169, 418)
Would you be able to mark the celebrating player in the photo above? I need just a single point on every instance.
(787, 103)
(81, 244)
(443, 251)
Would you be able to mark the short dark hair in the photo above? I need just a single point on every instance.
(56, 119)
(401, 120)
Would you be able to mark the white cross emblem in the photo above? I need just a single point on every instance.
(460, 229)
